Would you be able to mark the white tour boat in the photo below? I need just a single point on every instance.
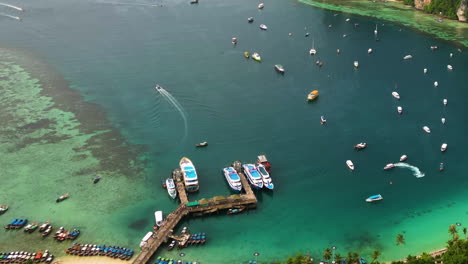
(267, 182)
(350, 164)
(426, 128)
(253, 175)
(389, 166)
(403, 158)
(396, 95)
(443, 147)
(190, 174)
(171, 189)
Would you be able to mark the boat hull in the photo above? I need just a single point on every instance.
(235, 187)
(253, 176)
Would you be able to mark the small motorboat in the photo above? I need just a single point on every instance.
(347, 20)
(374, 198)
(375, 30)
(389, 166)
(350, 164)
(407, 57)
(307, 34)
(63, 197)
(436, 83)
(451, 55)
(312, 95)
(442, 120)
(279, 68)
(263, 27)
(322, 120)
(369, 51)
(344, 35)
(425, 70)
(171, 188)
(3, 209)
(246, 54)
(312, 51)
(319, 63)
(201, 144)
(250, 19)
(396, 95)
(97, 179)
(256, 57)
(443, 147)
(441, 166)
(400, 110)
(449, 67)
(235, 210)
(261, 6)
(267, 182)
(426, 128)
(194, 1)
(360, 146)
(356, 64)
(262, 159)
(445, 101)
(44, 226)
(171, 246)
(338, 51)
(434, 47)
(403, 158)
(234, 41)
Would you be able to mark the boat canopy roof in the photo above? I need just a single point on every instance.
(262, 158)
(234, 176)
(262, 170)
(375, 196)
(190, 172)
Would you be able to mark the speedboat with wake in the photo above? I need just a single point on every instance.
(427, 129)
(171, 189)
(279, 68)
(313, 51)
(400, 110)
(232, 178)
(374, 198)
(396, 95)
(253, 175)
(389, 166)
(407, 57)
(350, 164)
(267, 182)
(190, 174)
(442, 120)
(403, 158)
(443, 147)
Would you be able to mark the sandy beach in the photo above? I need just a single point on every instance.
(88, 260)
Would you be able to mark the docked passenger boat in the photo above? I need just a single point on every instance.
(374, 198)
(158, 218)
(261, 6)
(267, 182)
(400, 110)
(312, 95)
(190, 174)
(445, 101)
(3, 209)
(232, 178)
(441, 166)
(145, 239)
(443, 147)
(246, 54)
(350, 164)
(262, 159)
(202, 144)
(279, 68)
(63, 197)
(403, 158)
(356, 64)
(389, 166)
(263, 27)
(253, 175)
(396, 95)
(407, 57)
(171, 189)
(256, 57)
(322, 120)
(427, 129)
(361, 145)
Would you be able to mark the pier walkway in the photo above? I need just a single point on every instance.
(202, 207)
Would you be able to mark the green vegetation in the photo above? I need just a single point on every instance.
(408, 2)
(447, 8)
(400, 239)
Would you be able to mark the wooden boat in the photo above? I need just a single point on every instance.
(235, 210)
(246, 54)
(47, 231)
(202, 144)
(97, 179)
(44, 226)
(63, 197)
(312, 95)
(441, 166)
(3, 209)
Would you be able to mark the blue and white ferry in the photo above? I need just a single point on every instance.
(233, 179)
(190, 175)
(253, 175)
(267, 182)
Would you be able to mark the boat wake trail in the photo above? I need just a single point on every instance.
(171, 99)
(131, 4)
(14, 17)
(12, 6)
(416, 171)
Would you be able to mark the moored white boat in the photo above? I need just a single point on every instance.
(389, 166)
(256, 57)
(369, 51)
(232, 178)
(425, 70)
(158, 217)
(436, 83)
(279, 68)
(356, 64)
(445, 101)
(267, 182)
(427, 129)
(403, 158)
(350, 164)
(361, 145)
(261, 5)
(443, 147)
(396, 95)
(253, 175)
(449, 67)
(171, 189)
(399, 110)
(374, 198)
(263, 27)
(190, 174)
(442, 120)
(407, 57)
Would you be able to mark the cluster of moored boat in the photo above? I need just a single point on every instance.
(258, 175)
(23, 256)
(194, 240)
(100, 250)
(16, 223)
(45, 229)
(63, 234)
(161, 260)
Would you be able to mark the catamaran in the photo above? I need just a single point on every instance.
(267, 182)
(232, 178)
(171, 189)
(190, 174)
(253, 175)
(374, 198)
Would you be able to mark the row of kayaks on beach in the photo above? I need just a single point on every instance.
(23, 256)
(100, 250)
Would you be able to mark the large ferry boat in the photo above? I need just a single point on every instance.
(267, 182)
(253, 176)
(190, 175)
(233, 179)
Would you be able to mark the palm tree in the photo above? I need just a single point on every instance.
(338, 258)
(464, 231)
(355, 257)
(375, 255)
(452, 230)
(400, 239)
(327, 254)
(349, 258)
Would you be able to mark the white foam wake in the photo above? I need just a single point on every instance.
(130, 4)
(12, 6)
(14, 17)
(416, 171)
(173, 101)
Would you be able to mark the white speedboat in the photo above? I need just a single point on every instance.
(442, 120)
(425, 70)
(389, 166)
(190, 174)
(233, 179)
(158, 217)
(407, 57)
(400, 110)
(403, 158)
(375, 30)
(234, 41)
(443, 147)
(451, 55)
(267, 182)
(361, 145)
(253, 175)
(449, 67)
(250, 19)
(263, 27)
(347, 20)
(369, 51)
(171, 189)
(261, 6)
(436, 83)
(356, 64)
(396, 95)
(445, 101)
(425, 128)
(313, 51)
(256, 57)
(374, 198)
(350, 164)
(322, 120)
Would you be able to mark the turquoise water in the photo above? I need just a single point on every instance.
(114, 55)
